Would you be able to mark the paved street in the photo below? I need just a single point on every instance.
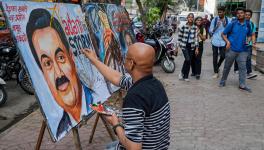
(203, 116)
(18, 104)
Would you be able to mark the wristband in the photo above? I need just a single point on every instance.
(118, 125)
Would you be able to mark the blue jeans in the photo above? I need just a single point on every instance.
(112, 145)
(241, 58)
(249, 61)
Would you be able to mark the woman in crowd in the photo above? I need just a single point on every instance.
(197, 59)
(188, 42)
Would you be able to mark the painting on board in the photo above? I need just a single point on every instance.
(50, 37)
(108, 34)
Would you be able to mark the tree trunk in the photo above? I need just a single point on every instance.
(164, 11)
(143, 16)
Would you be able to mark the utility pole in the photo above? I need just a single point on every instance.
(197, 7)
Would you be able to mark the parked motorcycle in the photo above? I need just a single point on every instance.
(24, 81)
(166, 56)
(3, 93)
(164, 47)
(11, 68)
(9, 61)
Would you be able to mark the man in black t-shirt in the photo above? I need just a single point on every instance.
(146, 110)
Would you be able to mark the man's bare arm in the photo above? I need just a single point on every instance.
(110, 74)
(226, 40)
(129, 145)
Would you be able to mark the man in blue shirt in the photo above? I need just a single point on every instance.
(236, 36)
(250, 74)
(217, 26)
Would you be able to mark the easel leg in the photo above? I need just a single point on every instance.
(94, 127)
(107, 128)
(41, 134)
(76, 138)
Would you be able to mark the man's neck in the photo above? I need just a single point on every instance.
(137, 76)
(222, 17)
(241, 20)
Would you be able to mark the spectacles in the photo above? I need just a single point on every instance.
(130, 58)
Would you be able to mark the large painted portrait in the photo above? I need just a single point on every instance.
(106, 36)
(50, 37)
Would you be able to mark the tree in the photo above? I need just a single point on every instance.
(148, 7)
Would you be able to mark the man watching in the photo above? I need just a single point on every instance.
(217, 26)
(50, 49)
(250, 74)
(237, 31)
(146, 111)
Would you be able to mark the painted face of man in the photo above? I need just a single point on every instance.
(58, 68)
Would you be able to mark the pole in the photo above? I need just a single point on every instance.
(41, 134)
(197, 7)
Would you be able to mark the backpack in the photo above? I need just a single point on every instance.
(249, 24)
(216, 20)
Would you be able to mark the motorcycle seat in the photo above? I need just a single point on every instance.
(166, 40)
(150, 42)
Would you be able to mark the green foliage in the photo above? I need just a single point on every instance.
(153, 15)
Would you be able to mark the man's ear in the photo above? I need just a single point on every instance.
(132, 65)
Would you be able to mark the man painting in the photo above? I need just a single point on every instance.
(50, 49)
(146, 109)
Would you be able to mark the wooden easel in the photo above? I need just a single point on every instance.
(75, 133)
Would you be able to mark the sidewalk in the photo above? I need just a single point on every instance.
(203, 116)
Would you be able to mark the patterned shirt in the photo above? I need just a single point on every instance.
(146, 113)
(188, 35)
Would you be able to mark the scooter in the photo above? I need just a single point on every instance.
(3, 93)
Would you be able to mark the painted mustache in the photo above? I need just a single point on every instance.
(60, 81)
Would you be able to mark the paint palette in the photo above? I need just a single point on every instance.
(101, 109)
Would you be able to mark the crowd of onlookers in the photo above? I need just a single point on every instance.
(232, 40)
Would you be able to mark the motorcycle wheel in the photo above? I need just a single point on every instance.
(25, 82)
(168, 65)
(3, 95)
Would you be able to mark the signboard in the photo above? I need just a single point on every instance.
(261, 24)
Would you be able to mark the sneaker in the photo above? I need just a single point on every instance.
(245, 89)
(180, 76)
(216, 75)
(236, 72)
(197, 77)
(222, 84)
(251, 76)
(187, 80)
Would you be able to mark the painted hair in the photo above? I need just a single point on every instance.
(39, 19)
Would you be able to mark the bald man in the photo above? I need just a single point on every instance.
(146, 111)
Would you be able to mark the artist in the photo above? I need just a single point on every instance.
(50, 49)
(146, 110)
